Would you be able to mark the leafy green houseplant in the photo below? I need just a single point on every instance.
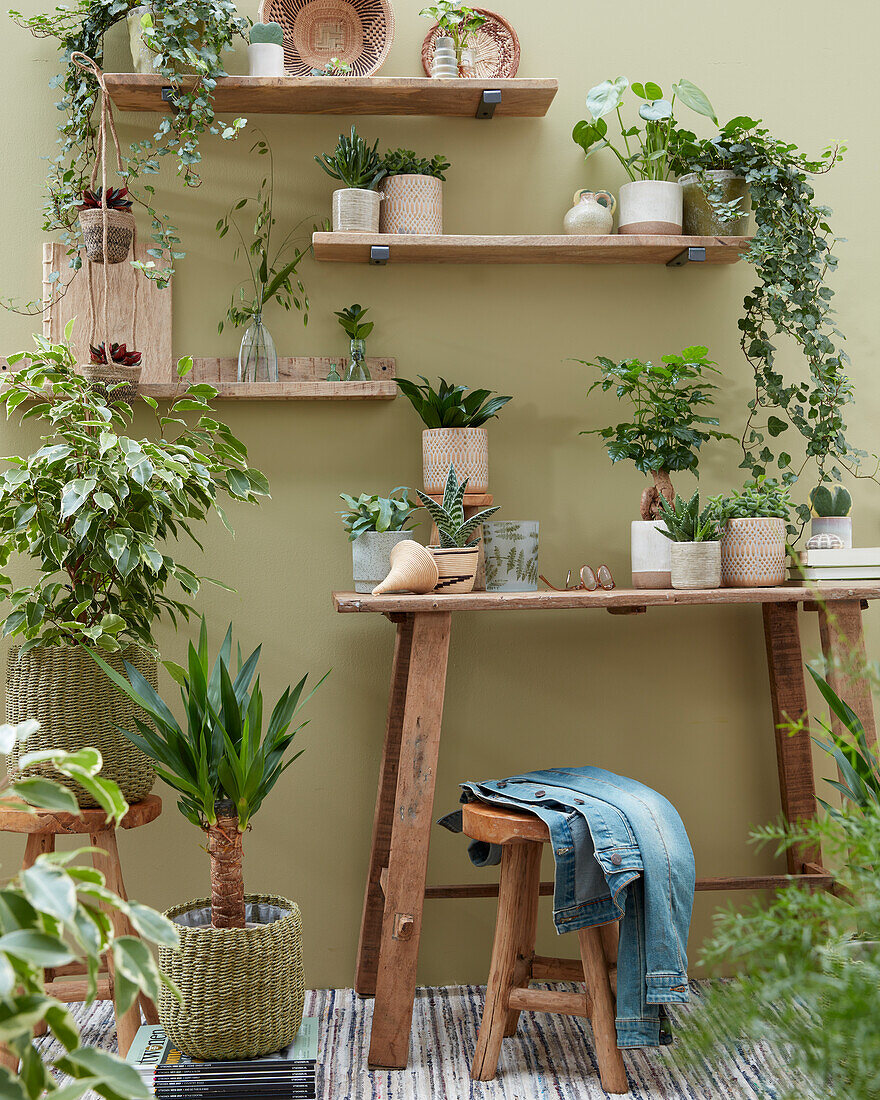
(695, 554)
(412, 193)
(458, 22)
(358, 167)
(753, 533)
(454, 433)
(223, 761)
(351, 320)
(374, 526)
(458, 552)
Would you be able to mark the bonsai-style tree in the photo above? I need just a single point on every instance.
(667, 429)
(221, 761)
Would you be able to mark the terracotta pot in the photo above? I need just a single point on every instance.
(695, 564)
(699, 219)
(651, 558)
(457, 568)
(652, 207)
(356, 210)
(370, 557)
(411, 204)
(467, 449)
(753, 553)
(833, 525)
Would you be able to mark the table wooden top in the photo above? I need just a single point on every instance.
(618, 600)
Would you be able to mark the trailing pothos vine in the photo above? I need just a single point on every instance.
(189, 37)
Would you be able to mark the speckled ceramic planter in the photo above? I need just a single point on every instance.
(695, 565)
(467, 449)
(753, 553)
(370, 557)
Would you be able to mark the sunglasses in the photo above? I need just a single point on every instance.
(590, 580)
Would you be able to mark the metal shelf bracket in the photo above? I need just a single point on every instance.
(488, 102)
(692, 255)
(380, 254)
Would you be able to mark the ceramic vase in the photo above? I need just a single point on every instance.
(411, 204)
(753, 553)
(695, 564)
(356, 210)
(699, 218)
(833, 525)
(650, 207)
(511, 555)
(265, 59)
(467, 449)
(444, 64)
(370, 557)
(651, 558)
(590, 216)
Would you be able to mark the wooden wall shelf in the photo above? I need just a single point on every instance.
(349, 95)
(299, 379)
(557, 249)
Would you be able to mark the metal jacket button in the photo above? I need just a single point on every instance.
(617, 859)
(540, 794)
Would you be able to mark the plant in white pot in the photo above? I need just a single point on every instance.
(665, 435)
(831, 509)
(374, 525)
(239, 967)
(359, 167)
(695, 553)
(650, 203)
(412, 192)
(454, 434)
(266, 50)
(458, 553)
(753, 529)
(97, 514)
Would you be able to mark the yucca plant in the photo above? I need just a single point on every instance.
(451, 406)
(354, 163)
(455, 531)
(220, 762)
(686, 523)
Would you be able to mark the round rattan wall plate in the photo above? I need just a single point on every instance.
(496, 45)
(356, 32)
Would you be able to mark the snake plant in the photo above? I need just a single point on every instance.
(455, 531)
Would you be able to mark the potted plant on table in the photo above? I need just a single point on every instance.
(831, 509)
(266, 50)
(753, 528)
(412, 192)
(97, 512)
(695, 553)
(374, 525)
(457, 24)
(454, 434)
(650, 203)
(359, 167)
(666, 435)
(239, 967)
(457, 555)
(351, 318)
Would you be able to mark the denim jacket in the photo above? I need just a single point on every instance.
(621, 853)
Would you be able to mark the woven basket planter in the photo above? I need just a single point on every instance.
(243, 988)
(356, 210)
(77, 706)
(120, 234)
(467, 449)
(457, 568)
(753, 553)
(695, 565)
(411, 204)
(115, 381)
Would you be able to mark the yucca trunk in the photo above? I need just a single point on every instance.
(227, 878)
(651, 497)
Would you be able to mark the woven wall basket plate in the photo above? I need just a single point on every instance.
(357, 32)
(495, 43)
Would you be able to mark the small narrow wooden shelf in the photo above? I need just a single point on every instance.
(350, 95)
(555, 249)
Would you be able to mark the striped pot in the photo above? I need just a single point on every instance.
(753, 553)
(695, 565)
(356, 210)
(412, 204)
(467, 449)
(457, 568)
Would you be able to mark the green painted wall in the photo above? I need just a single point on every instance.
(677, 698)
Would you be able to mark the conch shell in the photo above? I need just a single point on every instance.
(413, 569)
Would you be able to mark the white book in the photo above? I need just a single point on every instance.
(839, 573)
(858, 555)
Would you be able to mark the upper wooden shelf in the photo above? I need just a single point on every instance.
(557, 249)
(347, 95)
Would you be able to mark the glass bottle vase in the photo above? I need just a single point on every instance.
(357, 367)
(257, 358)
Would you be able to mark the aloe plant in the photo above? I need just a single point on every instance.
(830, 502)
(455, 531)
(686, 523)
(451, 406)
(353, 162)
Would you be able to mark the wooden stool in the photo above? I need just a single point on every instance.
(68, 983)
(514, 963)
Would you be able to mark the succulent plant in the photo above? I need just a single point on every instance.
(375, 513)
(686, 523)
(455, 531)
(830, 502)
(353, 162)
(116, 198)
(119, 353)
(404, 162)
(267, 32)
(762, 497)
(334, 67)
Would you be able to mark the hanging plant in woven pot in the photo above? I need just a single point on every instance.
(92, 508)
(239, 967)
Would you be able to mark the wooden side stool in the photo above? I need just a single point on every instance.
(67, 983)
(514, 963)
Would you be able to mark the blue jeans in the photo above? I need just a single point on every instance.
(621, 853)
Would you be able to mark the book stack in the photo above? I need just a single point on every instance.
(170, 1074)
(858, 566)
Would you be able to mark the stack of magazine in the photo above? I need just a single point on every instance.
(289, 1074)
(858, 567)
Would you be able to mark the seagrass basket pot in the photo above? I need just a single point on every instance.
(243, 988)
(120, 234)
(77, 706)
(456, 567)
(114, 381)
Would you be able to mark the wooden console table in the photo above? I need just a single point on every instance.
(396, 883)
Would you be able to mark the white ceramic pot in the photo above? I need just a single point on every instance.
(695, 564)
(356, 210)
(651, 557)
(411, 204)
(511, 555)
(467, 449)
(833, 525)
(652, 207)
(266, 59)
(444, 64)
(753, 552)
(370, 557)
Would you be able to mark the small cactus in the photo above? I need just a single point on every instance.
(267, 32)
(830, 502)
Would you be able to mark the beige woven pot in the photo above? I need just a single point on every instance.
(120, 233)
(467, 449)
(457, 568)
(243, 988)
(115, 381)
(753, 553)
(77, 705)
(356, 210)
(695, 564)
(411, 204)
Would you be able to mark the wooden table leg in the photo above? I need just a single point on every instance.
(410, 837)
(788, 694)
(843, 646)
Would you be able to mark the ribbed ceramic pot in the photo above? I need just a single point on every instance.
(651, 558)
(411, 204)
(370, 557)
(651, 207)
(78, 706)
(699, 219)
(695, 564)
(753, 553)
(445, 64)
(457, 568)
(356, 210)
(467, 449)
(511, 555)
(833, 525)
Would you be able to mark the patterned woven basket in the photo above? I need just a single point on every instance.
(358, 33)
(77, 705)
(243, 988)
(495, 45)
(120, 234)
(115, 381)
(457, 568)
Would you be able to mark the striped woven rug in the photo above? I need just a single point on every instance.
(551, 1057)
